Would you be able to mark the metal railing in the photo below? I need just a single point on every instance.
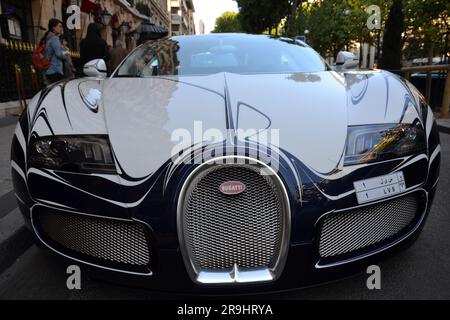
(445, 68)
(18, 78)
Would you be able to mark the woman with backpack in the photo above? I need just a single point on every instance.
(53, 51)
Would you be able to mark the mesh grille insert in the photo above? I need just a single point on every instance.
(223, 230)
(351, 230)
(113, 240)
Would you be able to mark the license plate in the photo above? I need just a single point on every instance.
(379, 187)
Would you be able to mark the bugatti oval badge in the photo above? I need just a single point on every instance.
(232, 187)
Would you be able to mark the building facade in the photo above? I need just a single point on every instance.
(26, 20)
(182, 16)
(201, 27)
(158, 12)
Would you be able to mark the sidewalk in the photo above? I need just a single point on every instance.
(10, 108)
(14, 237)
(444, 125)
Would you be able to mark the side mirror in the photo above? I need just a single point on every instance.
(96, 68)
(346, 60)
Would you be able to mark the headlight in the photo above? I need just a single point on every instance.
(85, 154)
(383, 142)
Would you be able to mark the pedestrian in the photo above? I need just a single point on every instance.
(93, 46)
(53, 51)
(69, 70)
(118, 53)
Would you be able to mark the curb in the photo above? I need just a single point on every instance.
(14, 246)
(8, 121)
(444, 129)
(7, 109)
(15, 238)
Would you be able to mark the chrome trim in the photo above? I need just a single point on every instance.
(368, 254)
(259, 275)
(236, 276)
(75, 259)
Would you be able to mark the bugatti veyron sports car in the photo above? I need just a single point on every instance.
(226, 162)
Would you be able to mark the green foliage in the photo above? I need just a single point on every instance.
(429, 17)
(257, 16)
(334, 25)
(426, 22)
(228, 22)
(327, 26)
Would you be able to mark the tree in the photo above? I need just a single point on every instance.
(336, 25)
(292, 17)
(227, 22)
(331, 25)
(257, 16)
(392, 40)
(426, 24)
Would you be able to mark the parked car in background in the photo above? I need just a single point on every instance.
(438, 78)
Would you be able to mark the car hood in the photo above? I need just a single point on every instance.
(147, 118)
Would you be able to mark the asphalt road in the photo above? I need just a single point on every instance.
(421, 272)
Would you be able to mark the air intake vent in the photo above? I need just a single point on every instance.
(348, 231)
(116, 241)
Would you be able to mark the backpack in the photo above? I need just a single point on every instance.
(40, 58)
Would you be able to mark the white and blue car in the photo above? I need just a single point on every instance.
(226, 163)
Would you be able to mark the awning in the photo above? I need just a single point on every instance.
(150, 31)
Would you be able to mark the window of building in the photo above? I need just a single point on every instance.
(16, 21)
(14, 29)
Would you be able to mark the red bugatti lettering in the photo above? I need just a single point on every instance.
(232, 187)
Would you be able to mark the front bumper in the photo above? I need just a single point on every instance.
(166, 269)
(304, 266)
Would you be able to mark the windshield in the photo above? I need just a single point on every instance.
(203, 55)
